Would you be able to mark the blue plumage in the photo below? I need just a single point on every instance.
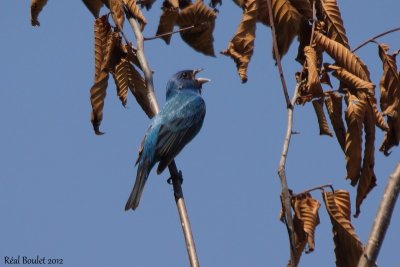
(171, 129)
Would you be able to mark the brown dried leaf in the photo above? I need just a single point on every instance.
(287, 22)
(378, 117)
(263, 12)
(94, 6)
(135, 11)
(200, 38)
(138, 88)
(390, 98)
(333, 102)
(354, 115)
(36, 7)
(322, 123)
(304, 40)
(121, 78)
(313, 86)
(241, 46)
(367, 177)
(348, 247)
(390, 82)
(392, 136)
(306, 215)
(304, 7)
(334, 23)
(113, 51)
(97, 96)
(117, 12)
(343, 56)
(102, 29)
(167, 21)
(350, 79)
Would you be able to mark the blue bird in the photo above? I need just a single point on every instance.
(178, 122)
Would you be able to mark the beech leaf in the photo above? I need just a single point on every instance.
(334, 23)
(343, 56)
(333, 103)
(241, 47)
(36, 7)
(348, 247)
(354, 117)
(287, 22)
(322, 123)
(367, 177)
(167, 21)
(350, 79)
(200, 37)
(117, 12)
(135, 11)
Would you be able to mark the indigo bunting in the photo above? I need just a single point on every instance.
(177, 123)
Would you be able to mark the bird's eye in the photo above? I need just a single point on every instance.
(184, 75)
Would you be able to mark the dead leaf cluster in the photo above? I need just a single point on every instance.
(348, 247)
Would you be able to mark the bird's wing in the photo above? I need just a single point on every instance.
(178, 130)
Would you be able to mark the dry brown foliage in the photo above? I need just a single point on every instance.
(36, 7)
(334, 23)
(390, 98)
(318, 105)
(241, 46)
(167, 20)
(348, 247)
(199, 37)
(333, 103)
(94, 6)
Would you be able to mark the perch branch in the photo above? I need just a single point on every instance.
(175, 174)
(282, 177)
(277, 55)
(374, 38)
(382, 220)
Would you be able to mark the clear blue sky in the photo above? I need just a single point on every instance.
(63, 189)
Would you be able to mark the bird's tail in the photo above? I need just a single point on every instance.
(141, 178)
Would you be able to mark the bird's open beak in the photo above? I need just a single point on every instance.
(200, 80)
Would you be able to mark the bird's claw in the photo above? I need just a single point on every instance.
(180, 178)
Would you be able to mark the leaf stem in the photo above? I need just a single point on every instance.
(374, 38)
(321, 187)
(168, 33)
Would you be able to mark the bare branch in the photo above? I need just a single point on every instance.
(374, 38)
(277, 55)
(175, 174)
(382, 220)
(282, 177)
(321, 187)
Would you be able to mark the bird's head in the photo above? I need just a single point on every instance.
(185, 80)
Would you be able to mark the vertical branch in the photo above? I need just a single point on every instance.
(281, 169)
(176, 176)
(382, 220)
(277, 55)
(282, 176)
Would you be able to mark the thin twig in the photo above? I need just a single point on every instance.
(168, 33)
(277, 55)
(284, 185)
(374, 38)
(175, 174)
(382, 220)
(321, 187)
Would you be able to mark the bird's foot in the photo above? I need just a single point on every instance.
(179, 176)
